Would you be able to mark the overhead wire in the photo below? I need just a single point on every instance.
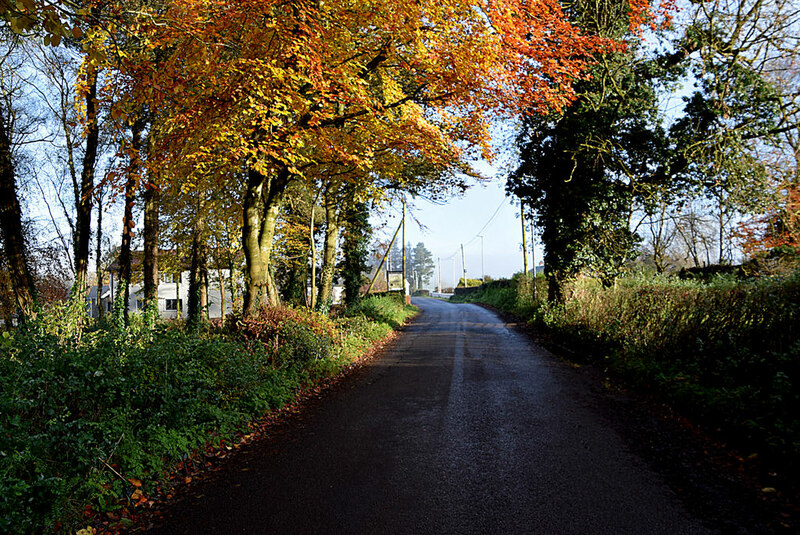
(478, 234)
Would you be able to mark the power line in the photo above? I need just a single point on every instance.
(477, 235)
(502, 202)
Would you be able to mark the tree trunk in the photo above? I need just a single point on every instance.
(151, 209)
(232, 280)
(127, 219)
(255, 269)
(329, 253)
(198, 275)
(221, 294)
(262, 203)
(98, 264)
(11, 229)
(313, 247)
(83, 202)
(268, 223)
(721, 220)
(8, 304)
(356, 237)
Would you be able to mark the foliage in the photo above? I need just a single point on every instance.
(421, 265)
(302, 75)
(293, 246)
(594, 169)
(386, 309)
(778, 261)
(779, 226)
(355, 245)
(82, 418)
(469, 284)
(726, 352)
(581, 170)
(293, 335)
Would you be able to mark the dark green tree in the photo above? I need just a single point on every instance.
(586, 170)
(582, 170)
(355, 245)
(421, 265)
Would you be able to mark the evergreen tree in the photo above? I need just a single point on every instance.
(422, 265)
(395, 260)
(581, 170)
(355, 243)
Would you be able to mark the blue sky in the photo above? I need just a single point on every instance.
(458, 222)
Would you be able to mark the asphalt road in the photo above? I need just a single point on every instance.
(462, 426)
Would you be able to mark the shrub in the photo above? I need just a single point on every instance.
(383, 308)
(291, 335)
(79, 408)
(727, 350)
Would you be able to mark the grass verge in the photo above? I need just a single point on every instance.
(726, 352)
(90, 420)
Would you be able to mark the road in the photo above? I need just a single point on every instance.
(463, 425)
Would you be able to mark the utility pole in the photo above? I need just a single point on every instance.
(385, 255)
(524, 242)
(464, 266)
(404, 248)
(440, 274)
(533, 255)
(483, 271)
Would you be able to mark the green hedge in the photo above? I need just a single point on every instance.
(77, 406)
(726, 352)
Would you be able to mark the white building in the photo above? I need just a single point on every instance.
(173, 295)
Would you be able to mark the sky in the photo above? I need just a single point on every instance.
(444, 228)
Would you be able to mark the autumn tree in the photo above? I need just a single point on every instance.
(284, 86)
(87, 91)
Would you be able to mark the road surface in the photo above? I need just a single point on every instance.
(462, 426)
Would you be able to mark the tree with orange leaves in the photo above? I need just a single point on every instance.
(278, 87)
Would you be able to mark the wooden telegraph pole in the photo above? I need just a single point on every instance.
(464, 266)
(524, 242)
(405, 296)
(440, 275)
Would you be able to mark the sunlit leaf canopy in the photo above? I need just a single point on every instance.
(299, 85)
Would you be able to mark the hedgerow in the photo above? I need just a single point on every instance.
(726, 352)
(85, 414)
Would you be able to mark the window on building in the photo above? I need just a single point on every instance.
(174, 304)
(170, 278)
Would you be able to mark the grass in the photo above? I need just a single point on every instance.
(726, 352)
(86, 415)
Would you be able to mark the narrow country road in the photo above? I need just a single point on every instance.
(462, 426)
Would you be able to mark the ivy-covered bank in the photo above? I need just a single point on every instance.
(724, 352)
(91, 419)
